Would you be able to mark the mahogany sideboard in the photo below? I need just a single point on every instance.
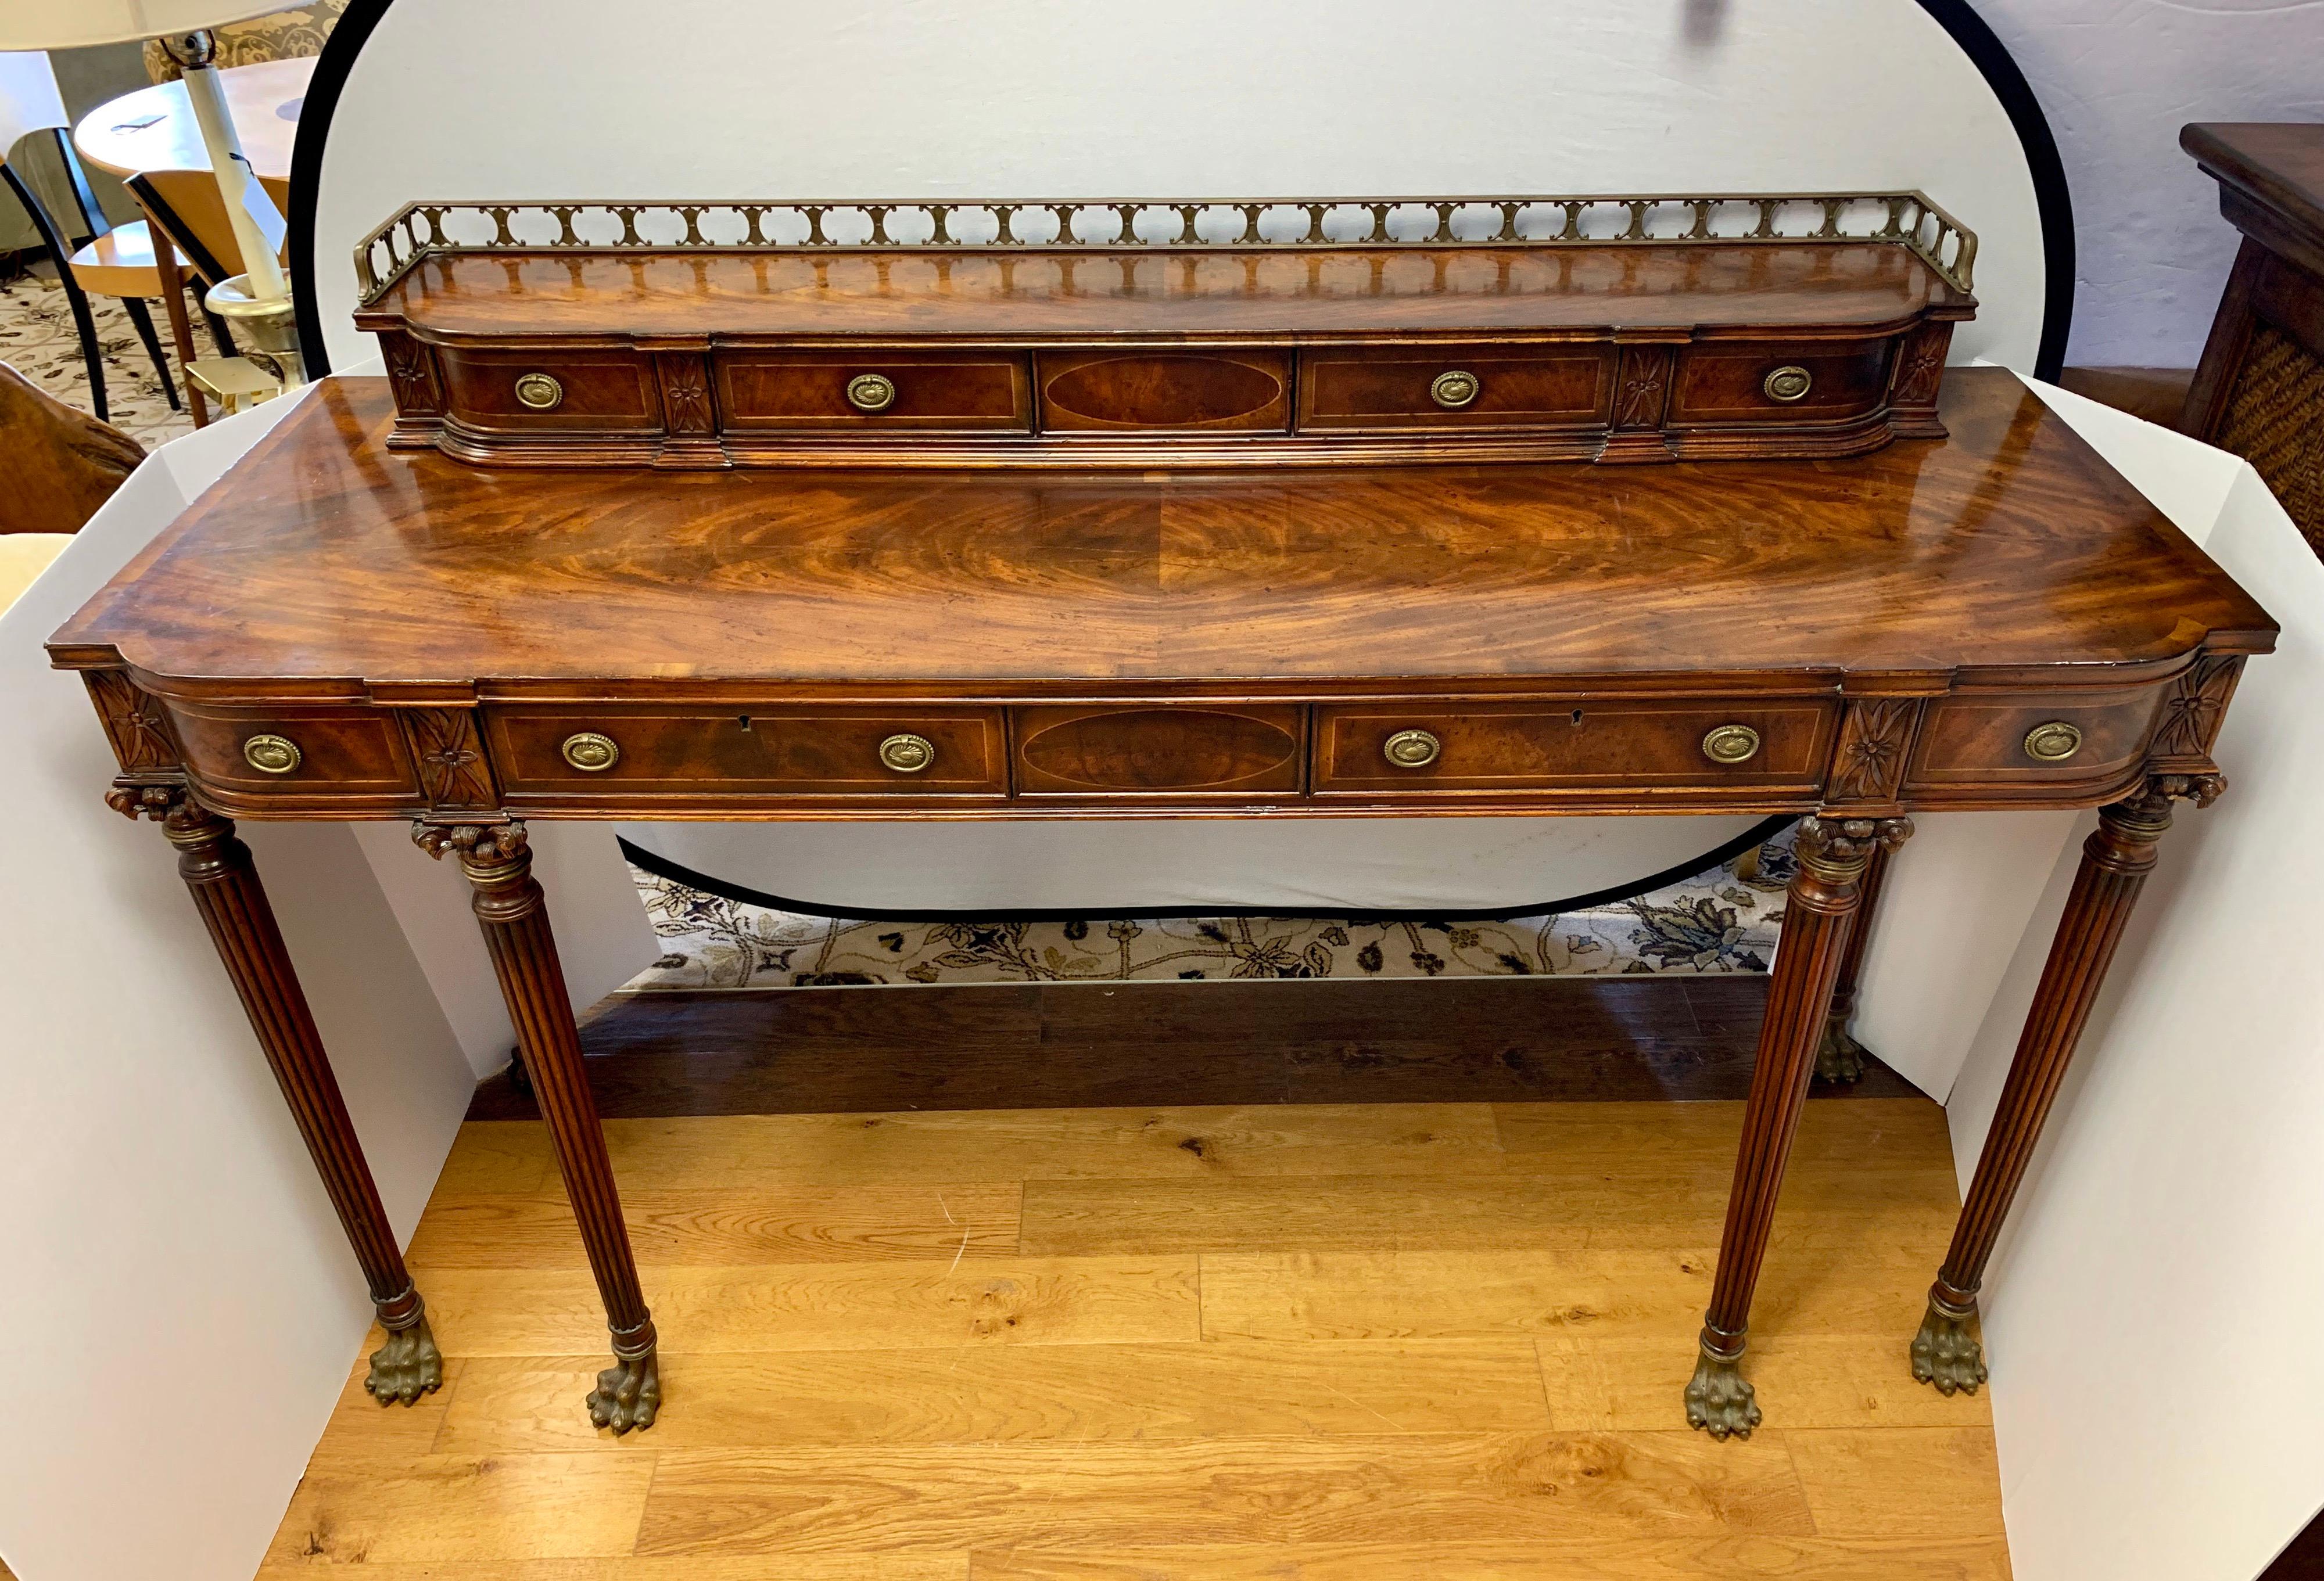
(342, 629)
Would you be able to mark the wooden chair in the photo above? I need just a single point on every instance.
(100, 257)
(63, 465)
(187, 207)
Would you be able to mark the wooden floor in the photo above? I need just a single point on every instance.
(1268, 1342)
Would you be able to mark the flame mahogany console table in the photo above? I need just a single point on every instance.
(347, 626)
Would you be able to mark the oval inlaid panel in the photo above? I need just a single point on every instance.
(1161, 750)
(1163, 389)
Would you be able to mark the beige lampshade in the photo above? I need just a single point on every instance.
(61, 25)
(29, 100)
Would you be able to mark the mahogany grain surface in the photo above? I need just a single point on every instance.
(326, 558)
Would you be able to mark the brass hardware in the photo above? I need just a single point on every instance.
(908, 753)
(271, 754)
(1215, 224)
(1731, 743)
(590, 752)
(1412, 749)
(2053, 742)
(1788, 383)
(870, 393)
(539, 391)
(1454, 389)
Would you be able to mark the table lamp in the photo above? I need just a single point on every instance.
(257, 300)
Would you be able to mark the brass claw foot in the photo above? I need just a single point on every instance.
(1944, 1352)
(1718, 1400)
(407, 1366)
(1839, 1057)
(628, 1393)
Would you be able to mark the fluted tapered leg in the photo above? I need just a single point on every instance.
(218, 869)
(2115, 860)
(510, 906)
(1824, 897)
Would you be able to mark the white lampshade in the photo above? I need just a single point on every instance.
(61, 25)
(29, 100)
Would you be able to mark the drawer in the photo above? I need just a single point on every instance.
(777, 750)
(347, 754)
(1404, 388)
(870, 392)
(1968, 740)
(1129, 391)
(553, 392)
(1737, 382)
(1176, 750)
(1570, 745)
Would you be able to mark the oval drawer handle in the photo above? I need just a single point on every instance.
(1454, 389)
(1412, 749)
(2053, 742)
(539, 391)
(1788, 383)
(1731, 743)
(870, 393)
(271, 754)
(590, 752)
(907, 753)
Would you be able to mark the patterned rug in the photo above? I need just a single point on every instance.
(1725, 919)
(38, 340)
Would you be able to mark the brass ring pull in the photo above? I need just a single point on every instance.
(271, 754)
(1731, 743)
(1412, 749)
(539, 391)
(908, 753)
(1454, 389)
(1788, 384)
(870, 393)
(590, 752)
(2053, 742)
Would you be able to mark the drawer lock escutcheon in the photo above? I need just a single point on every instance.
(870, 393)
(908, 753)
(271, 754)
(1412, 749)
(590, 752)
(2053, 742)
(1788, 384)
(1731, 743)
(539, 391)
(1454, 389)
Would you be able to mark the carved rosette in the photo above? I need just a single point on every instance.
(1920, 366)
(685, 395)
(1874, 739)
(411, 370)
(479, 843)
(135, 722)
(450, 756)
(1644, 387)
(2198, 701)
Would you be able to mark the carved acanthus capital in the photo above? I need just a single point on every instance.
(1845, 844)
(2151, 803)
(133, 800)
(480, 844)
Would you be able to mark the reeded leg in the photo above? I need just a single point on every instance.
(218, 869)
(509, 906)
(2115, 860)
(1823, 896)
(1839, 1057)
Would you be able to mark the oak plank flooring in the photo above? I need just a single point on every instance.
(1260, 1342)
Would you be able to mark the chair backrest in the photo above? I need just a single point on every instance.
(185, 207)
(63, 465)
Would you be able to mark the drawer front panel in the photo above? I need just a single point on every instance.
(977, 392)
(1397, 388)
(1980, 741)
(348, 754)
(807, 752)
(1581, 745)
(1178, 749)
(594, 392)
(1135, 391)
(1726, 381)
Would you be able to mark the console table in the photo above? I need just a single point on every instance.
(346, 629)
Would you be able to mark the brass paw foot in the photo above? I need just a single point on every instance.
(1839, 1057)
(1945, 1353)
(407, 1366)
(628, 1393)
(1718, 1400)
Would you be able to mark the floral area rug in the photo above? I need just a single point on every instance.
(37, 338)
(1723, 920)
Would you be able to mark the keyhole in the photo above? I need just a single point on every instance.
(745, 720)
(1577, 716)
